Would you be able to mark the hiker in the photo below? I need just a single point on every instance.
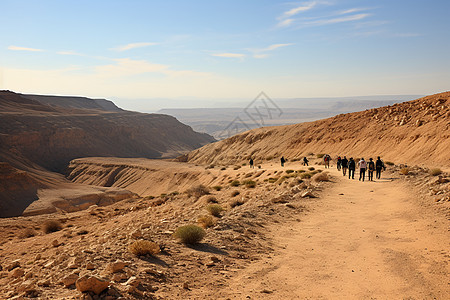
(379, 164)
(251, 163)
(326, 160)
(370, 169)
(305, 161)
(351, 168)
(282, 161)
(362, 169)
(344, 165)
(339, 163)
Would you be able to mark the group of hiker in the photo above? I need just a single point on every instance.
(345, 164)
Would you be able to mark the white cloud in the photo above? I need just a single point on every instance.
(229, 55)
(16, 48)
(70, 52)
(351, 10)
(262, 53)
(299, 9)
(337, 20)
(133, 46)
(285, 23)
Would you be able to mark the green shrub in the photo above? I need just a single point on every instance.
(436, 172)
(217, 187)
(206, 221)
(249, 183)
(52, 226)
(215, 210)
(190, 234)
(235, 193)
(143, 247)
(235, 183)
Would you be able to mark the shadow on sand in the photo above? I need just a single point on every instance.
(208, 248)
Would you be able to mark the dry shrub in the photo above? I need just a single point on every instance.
(198, 191)
(223, 168)
(390, 163)
(436, 172)
(289, 171)
(235, 193)
(236, 167)
(27, 233)
(273, 179)
(215, 210)
(235, 183)
(217, 187)
(320, 155)
(404, 171)
(206, 221)
(143, 247)
(311, 168)
(211, 199)
(236, 202)
(305, 175)
(190, 234)
(52, 226)
(320, 177)
(249, 183)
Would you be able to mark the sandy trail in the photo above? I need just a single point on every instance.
(361, 240)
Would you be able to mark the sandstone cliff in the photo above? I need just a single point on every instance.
(414, 132)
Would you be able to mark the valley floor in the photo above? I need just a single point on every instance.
(361, 240)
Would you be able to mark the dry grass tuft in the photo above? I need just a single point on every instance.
(52, 226)
(143, 247)
(211, 199)
(236, 202)
(320, 155)
(305, 175)
(320, 177)
(27, 233)
(217, 188)
(249, 183)
(190, 234)
(215, 210)
(311, 168)
(235, 183)
(235, 193)
(198, 191)
(404, 171)
(436, 172)
(206, 221)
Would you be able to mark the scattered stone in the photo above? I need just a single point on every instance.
(69, 280)
(91, 284)
(16, 273)
(55, 243)
(116, 266)
(14, 264)
(133, 281)
(308, 194)
(90, 266)
(186, 285)
(118, 277)
(137, 234)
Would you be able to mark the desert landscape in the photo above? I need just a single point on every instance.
(105, 219)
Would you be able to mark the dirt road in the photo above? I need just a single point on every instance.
(360, 240)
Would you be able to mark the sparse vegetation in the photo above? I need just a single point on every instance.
(52, 226)
(235, 193)
(273, 179)
(206, 221)
(236, 202)
(236, 167)
(27, 233)
(320, 155)
(269, 157)
(190, 234)
(436, 172)
(320, 177)
(404, 171)
(235, 183)
(305, 175)
(311, 168)
(149, 197)
(198, 191)
(301, 171)
(215, 210)
(389, 163)
(143, 247)
(217, 188)
(289, 171)
(223, 168)
(249, 183)
(211, 199)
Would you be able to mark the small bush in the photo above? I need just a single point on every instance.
(269, 157)
(236, 202)
(190, 234)
(198, 191)
(301, 171)
(211, 199)
(435, 172)
(210, 167)
(149, 197)
(27, 233)
(249, 183)
(235, 183)
(289, 171)
(390, 163)
(305, 175)
(320, 155)
(273, 179)
(206, 221)
(52, 226)
(311, 168)
(404, 171)
(215, 210)
(236, 167)
(320, 177)
(217, 187)
(235, 193)
(143, 247)
(174, 193)
(223, 168)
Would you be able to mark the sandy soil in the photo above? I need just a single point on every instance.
(362, 240)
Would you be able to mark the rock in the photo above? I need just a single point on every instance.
(137, 234)
(69, 280)
(28, 286)
(214, 259)
(90, 266)
(55, 243)
(116, 266)
(38, 256)
(133, 281)
(91, 284)
(118, 277)
(186, 285)
(308, 194)
(14, 264)
(16, 273)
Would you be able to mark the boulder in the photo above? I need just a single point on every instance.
(69, 280)
(116, 267)
(16, 273)
(91, 284)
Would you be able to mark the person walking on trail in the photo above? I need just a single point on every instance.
(251, 163)
(370, 169)
(305, 161)
(339, 163)
(326, 160)
(362, 169)
(283, 160)
(351, 168)
(344, 165)
(379, 164)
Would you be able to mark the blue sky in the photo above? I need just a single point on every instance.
(205, 51)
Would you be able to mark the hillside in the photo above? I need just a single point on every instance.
(414, 132)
